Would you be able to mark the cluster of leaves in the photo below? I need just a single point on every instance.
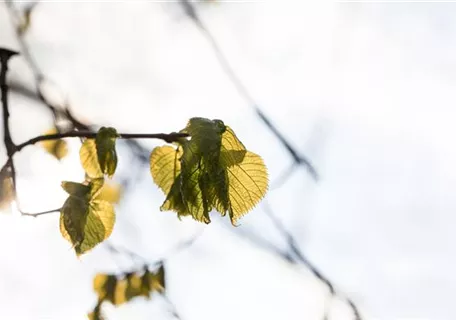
(211, 171)
(86, 218)
(208, 170)
(117, 290)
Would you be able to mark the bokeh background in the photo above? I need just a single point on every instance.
(363, 91)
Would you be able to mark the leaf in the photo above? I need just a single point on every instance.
(76, 189)
(84, 221)
(99, 157)
(165, 166)
(106, 150)
(58, 147)
(89, 159)
(247, 183)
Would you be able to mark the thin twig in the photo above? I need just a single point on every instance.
(34, 215)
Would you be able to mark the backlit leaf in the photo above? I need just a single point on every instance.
(165, 166)
(106, 150)
(58, 147)
(89, 159)
(247, 183)
(85, 221)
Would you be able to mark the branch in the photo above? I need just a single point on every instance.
(168, 137)
(294, 248)
(5, 55)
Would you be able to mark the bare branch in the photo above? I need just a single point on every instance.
(168, 137)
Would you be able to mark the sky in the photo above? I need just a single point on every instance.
(364, 90)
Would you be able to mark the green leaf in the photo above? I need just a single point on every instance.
(75, 189)
(212, 170)
(99, 157)
(84, 220)
(106, 150)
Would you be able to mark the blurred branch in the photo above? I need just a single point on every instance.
(294, 248)
(58, 112)
(242, 89)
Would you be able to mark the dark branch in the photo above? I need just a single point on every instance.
(5, 55)
(168, 137)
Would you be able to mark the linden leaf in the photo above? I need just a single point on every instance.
(247, 183)
(106, 150)
(58, 147)
(89, 159)
(165, 166)
(84, 221)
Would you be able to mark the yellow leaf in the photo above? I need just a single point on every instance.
(89, 159)
(104, 286)
(110, 192)
(165, 166)
(86, 223)
(58, 147)
(247, 183)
